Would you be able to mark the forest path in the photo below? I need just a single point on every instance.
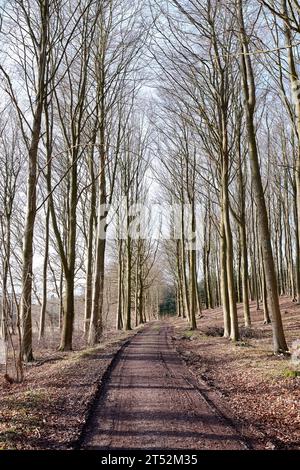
(149, 402)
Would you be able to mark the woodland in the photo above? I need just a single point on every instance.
(192, 104)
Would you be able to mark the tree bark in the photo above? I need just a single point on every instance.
(264, 232)
(45, 278)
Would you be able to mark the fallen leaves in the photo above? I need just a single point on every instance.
(49, 410)
(250, 379)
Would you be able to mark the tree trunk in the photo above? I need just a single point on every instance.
(45, 278)
(120, 284)
(128, 280)
(27, 259)
(243, 242)
(193, 277)
(69, 305)
(224, 282)
(68, 314)
(264, 232)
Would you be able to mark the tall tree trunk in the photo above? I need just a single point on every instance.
(27, 258)
(206, 260)
(90, 245)
(69, 303)
(183, 268)
(5, 303)
(224, 282)
(120, 284)
(128, 277)
(243, 242)
(98, 291)
(193, 277)
(294, 80)
(68, 314)
(264, 293)
(45, 278)
(234, 331)
(264, 232)
(180, 291)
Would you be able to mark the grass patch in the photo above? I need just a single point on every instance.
(26, 420)
(188, 334)
(27, 401)
(291, 374)
(35, 395)
(86, 353)
(156, 328)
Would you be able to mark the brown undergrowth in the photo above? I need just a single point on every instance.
(261, 389)
(50, 408)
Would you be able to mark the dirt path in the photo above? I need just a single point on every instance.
(150, 402)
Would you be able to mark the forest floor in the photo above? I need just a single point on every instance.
(258, 390)
(49, 410)
(165, 388)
